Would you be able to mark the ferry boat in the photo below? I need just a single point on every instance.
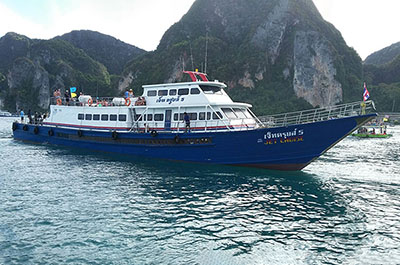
(221, 131)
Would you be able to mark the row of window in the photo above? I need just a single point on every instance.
(231, 113)
(102, 117)
(173, 92)
(192, 115)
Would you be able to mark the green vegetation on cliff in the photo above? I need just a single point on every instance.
(252, 47)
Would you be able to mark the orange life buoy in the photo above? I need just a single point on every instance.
(127, 101)
(59, 101)
(90, 101)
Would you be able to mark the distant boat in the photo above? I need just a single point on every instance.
(221, 131)
(372, 131)
(6, 114)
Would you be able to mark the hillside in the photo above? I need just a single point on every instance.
(31, 69)
(384, 56)
(384, 83)
(277, 55)
(109, 51)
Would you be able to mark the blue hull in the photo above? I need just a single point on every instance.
(282, 148)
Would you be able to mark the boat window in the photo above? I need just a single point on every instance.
(175, 116)
(104, 117)
(138, 117)
(152, 93)
(194, 91)
(149, 117)
(88, 117)
(241, 113)
(113, 117)
(96, 117)
(193, 116)
(247, 113)
(158, 117)
(202, 116)
(121, 117)
(163, 92)
(211, 89)
(229, 113)
(217, 115)
(183, 91)
(172, 92)
(80, 116)
(208, 115)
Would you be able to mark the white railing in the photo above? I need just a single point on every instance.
(319, 114)
(195, 126)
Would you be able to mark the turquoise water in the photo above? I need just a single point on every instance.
(65, 206)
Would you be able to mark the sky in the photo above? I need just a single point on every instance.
(366, 25)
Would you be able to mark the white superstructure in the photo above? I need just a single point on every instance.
(160, 108)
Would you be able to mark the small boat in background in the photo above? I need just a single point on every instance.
(6, 114)
(372, 131)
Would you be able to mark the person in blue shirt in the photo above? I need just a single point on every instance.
(22, 115)
(186, 119)
(127, 94)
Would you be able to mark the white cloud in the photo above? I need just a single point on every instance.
(11, 21)
(141, 23)
(366, 25)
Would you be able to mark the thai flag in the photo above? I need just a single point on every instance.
(366, 93)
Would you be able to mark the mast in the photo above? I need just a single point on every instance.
(205, 59)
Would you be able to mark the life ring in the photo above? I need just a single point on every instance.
(59, 101)
(14, 126)
(80, 133)
(25, 128)
(50, 132)
(127, 102)
(90, 101)
(153, 133)
(36, 130)
(114, 135)
(176, 139)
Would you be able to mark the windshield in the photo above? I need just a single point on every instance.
(207, 89)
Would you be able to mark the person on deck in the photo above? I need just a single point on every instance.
(66, 95)
(186, 120)
(126, 94)
(30, 116)
(22, 116)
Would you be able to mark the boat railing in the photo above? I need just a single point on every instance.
(195, 126)
(319, 114)
(97, 101)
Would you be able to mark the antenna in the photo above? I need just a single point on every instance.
(205, 59)
(191, 54)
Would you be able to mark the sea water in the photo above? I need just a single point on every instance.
(68, 206)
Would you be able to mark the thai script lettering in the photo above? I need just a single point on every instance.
(284, 135)
(169, 100)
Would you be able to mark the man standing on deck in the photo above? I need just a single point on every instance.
(186, 119)
(22, 116)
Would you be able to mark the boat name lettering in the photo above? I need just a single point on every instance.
(284, 135)
(170, 100)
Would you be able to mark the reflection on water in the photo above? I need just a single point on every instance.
(66, 206)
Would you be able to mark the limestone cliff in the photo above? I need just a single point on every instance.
(278, 55)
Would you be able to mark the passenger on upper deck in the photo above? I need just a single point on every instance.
(141, 101)
(66, 95)
(130, 94)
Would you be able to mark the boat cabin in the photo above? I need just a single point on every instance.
(160, 108)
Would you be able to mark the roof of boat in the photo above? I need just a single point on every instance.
(210, 83)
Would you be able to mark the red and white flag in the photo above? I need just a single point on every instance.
(366, 93)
